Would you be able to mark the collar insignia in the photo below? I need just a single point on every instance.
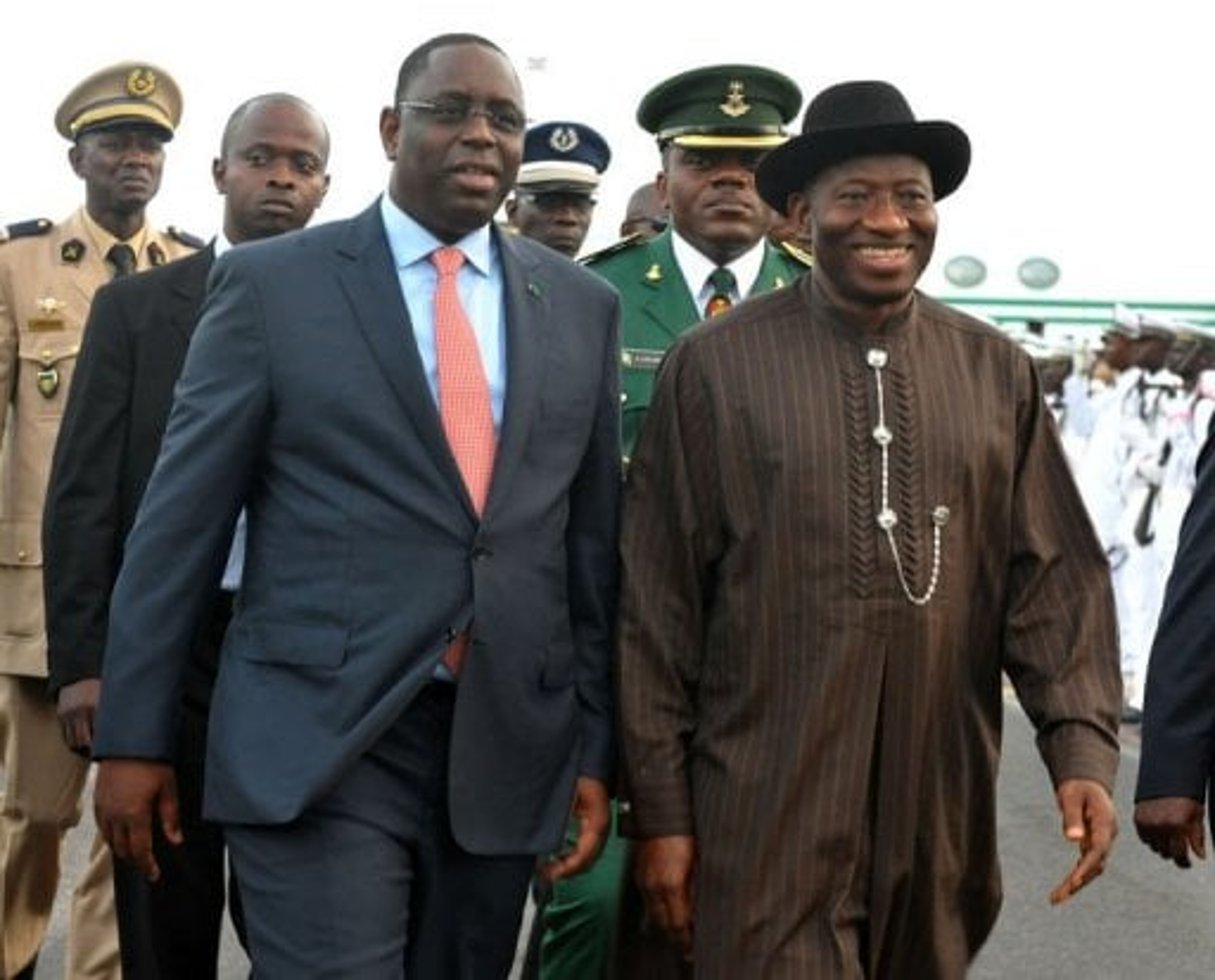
(72, 250)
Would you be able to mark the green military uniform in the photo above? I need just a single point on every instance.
(724, 111)
(658, 306)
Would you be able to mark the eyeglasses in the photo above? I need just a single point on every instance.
(505, 119)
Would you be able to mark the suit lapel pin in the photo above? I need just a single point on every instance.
(653, 273)
(533, 290)
(72, 250)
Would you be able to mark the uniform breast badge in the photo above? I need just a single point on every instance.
(50, 315)
(47, 378)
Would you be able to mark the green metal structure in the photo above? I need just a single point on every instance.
(1071, 314)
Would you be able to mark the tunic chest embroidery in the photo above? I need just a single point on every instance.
(898, 479)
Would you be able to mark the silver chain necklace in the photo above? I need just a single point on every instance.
(887, 519)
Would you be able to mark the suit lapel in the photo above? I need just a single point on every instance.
(528, 331)
(366, 272)
(88, 271)
(188, 289)
(668, 300)
(773, 273)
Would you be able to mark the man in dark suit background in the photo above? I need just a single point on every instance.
(416, 684)
(271, 171)
(1177, 754)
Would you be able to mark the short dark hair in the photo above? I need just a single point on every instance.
(415, 61)
(242, 111)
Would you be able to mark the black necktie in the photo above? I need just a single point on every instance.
(723, 283)
(122, 257)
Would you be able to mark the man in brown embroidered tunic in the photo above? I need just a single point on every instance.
(847, 519)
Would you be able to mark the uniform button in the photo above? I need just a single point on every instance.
(624, 398)
(624, 807)
(22, 555)
(480, 553)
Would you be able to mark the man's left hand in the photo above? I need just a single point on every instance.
(592, 813)
(1089, 821)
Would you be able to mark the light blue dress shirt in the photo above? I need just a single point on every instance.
(482, 291)
(481, 287)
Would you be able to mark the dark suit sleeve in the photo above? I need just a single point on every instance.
(81, 528)
(1178, 746)
(591, 547)
(183, 529)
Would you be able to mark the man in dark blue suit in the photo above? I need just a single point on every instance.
(271, 171)
(1177, 753)
(384, 799)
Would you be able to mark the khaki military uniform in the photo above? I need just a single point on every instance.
(658, 306)
(48, 275)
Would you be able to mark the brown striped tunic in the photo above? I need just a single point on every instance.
(833, 746)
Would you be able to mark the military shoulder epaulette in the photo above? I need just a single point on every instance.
(797, 253)
(629, 241)
(26, 229)
(185, 237)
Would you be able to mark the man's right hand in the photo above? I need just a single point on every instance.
(1172, 827)
(664, 868)
(129, 795)
(77, 707)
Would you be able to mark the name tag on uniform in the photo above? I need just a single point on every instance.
(641, 359)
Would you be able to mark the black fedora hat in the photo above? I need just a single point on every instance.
(855, 119)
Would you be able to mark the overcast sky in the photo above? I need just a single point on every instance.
(1091, 128)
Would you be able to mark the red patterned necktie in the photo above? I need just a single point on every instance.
(723, 283)
(464, 402)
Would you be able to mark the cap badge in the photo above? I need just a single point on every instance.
(141, 83)
(564, 139)
(72, 250)
(736, 103)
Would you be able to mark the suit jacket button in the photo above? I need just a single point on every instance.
(480, 553)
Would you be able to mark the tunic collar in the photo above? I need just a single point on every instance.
(847, 324)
